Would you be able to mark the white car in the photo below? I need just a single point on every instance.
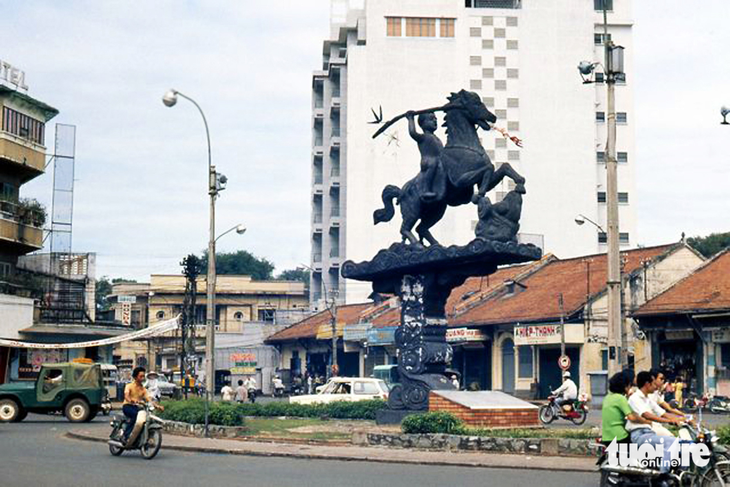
(346, 389)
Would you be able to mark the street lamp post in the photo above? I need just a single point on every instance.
(613, 66)
(724, 111)
(216, 183)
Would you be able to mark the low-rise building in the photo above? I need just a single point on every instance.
(688, 327)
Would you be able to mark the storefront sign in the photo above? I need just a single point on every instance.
(357, 332)
(11, 74)
(324, 332)
(243, 370)
(381, 336)
(243, 359)
(465, 335)
(679, 335)
(127, 314)
(721, 335)
(126, 299)
(547, 334)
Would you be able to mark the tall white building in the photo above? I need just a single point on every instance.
(521, 57)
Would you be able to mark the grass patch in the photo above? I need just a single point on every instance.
(287, 428)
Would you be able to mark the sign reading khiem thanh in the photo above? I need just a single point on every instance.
(547, 334)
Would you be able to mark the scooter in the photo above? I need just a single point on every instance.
(577, 414)
(716, 472)
(145, 437)
(719, 404)
(251, 395)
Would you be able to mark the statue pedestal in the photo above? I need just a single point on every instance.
(423, 278)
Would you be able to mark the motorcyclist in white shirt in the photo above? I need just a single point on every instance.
(152, 387)
(567, 392)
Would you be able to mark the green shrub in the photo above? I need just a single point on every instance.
(434, 422)
(229, 414)
(723, 432)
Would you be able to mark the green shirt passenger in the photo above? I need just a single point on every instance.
(616, 411)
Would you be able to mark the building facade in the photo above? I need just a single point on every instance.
(520, 56)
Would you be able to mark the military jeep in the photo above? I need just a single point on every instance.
(74, 389)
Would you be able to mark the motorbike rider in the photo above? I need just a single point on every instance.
(134, 395)
(278, 385)
(659, 406)
(616, 411)
(567, 392)
(152, 386)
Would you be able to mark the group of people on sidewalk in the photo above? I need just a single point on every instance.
(635, 411)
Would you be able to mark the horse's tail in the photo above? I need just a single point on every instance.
(386, 213)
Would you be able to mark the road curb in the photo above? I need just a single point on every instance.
(347, 458)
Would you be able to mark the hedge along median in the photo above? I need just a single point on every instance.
(192, 411)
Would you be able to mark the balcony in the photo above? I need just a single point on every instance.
(24, 158)
(23, 234)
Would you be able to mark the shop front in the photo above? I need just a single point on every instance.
(538, 351)
(472, 357)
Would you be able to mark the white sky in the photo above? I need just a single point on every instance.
(141, 200)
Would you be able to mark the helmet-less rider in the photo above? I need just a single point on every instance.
(134, 395)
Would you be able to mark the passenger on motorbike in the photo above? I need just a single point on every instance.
(641, 432)
(616, 411)
(659, 406)
(134, 395)
(567, 392)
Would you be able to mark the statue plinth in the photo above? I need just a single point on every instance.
(423, 278)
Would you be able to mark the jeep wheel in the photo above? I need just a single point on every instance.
(9, 411)
(77, 410)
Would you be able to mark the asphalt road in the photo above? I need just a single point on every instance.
(709, 420)
(36, 453)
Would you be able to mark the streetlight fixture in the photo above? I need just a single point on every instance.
(613, 67)
(724, 111)
(240, 229)
(216, 184)
(581, 219)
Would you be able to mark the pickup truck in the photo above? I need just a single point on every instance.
(77, 390)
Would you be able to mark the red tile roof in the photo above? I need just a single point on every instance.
(307, 328)
(577, 279)
(707, 289)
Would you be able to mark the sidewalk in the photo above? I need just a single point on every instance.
(356, 453)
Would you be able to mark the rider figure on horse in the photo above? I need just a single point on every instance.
(430, 147)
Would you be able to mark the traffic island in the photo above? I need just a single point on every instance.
(485, 409)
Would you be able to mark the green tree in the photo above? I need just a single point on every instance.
(241, 263)
(298, 274)
(711, 244)
(104, 289)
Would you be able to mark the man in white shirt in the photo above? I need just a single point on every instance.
(567, 392)
(641, 404)
(227, 392)
(659, 406)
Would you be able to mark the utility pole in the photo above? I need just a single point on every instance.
(333, 318)
(613, 65)
(562, 324)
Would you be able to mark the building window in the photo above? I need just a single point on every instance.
(475, 32)
(599, 4)
(475, 84)
(623, 198)
(513, 126)
(604, 359)
(501, 113)
(623, 237)
(5, 269)
(513, 155)
(600, 156)
(600, 116)
(725, 355)
(266, 315)
(488, 73)
(447, 27)
(500, 33)
(524, 354)
(500, 61)
(621, 117)
(620, 78)
(602, 238)
(487, 20)
(23, 126)
(513, 102)
(238, 316)
(601, 196)
(420, 27)
(475, 60)
(393, 26)
(488, 102)
(160, 315)
(511, 21)
(500, 143)
(487, 43)
(513, 73)
(599, 39)
(598, 78)
(513, 45)
(500, 84)
(622, 157)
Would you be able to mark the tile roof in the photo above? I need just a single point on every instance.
(705, 290)
(577, 279)
(307, 328)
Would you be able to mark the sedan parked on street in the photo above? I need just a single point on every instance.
(346, 389)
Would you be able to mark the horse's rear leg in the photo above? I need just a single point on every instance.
(424, 228)
(405, 231)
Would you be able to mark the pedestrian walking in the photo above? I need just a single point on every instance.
(241, 392)
(227, 393)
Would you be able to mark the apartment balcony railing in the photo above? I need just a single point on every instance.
(317, 257)
(335, 172)
(335, 211)
(494, 4)
(317, 217)
(318, 178)
(335, 252)
(335, 131)
(22, 223)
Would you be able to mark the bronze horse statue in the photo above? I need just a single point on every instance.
(463, 163)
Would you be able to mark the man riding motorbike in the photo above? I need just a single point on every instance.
(659, 407)
(134, 395)
(567, 392)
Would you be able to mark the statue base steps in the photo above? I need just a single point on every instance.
(485, 409)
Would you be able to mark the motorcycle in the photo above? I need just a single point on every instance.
(716, 472)
(251, 395)
(145, 437)
(693, 402)
(577, 413)
(719, 404)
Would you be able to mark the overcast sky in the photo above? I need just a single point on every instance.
(140, 200)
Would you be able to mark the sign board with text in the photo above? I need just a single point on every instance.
(465, 335)
(548, 334)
